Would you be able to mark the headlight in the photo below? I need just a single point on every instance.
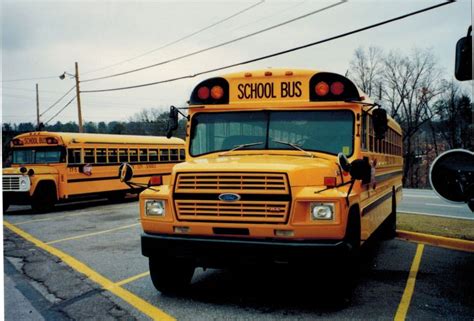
(155, 207)
(322, 211)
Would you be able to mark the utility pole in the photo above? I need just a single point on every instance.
(78, 98)
(37, 108)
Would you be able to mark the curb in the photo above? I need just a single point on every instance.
(440, 241)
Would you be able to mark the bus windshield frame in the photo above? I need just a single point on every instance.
(38, 155)
(324, 131)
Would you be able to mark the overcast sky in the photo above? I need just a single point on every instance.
(44, 39)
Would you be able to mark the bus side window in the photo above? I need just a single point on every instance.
(164, 155)
(143, 155)
(112, 154)
(182, 154)
(89, 157)
(101, 155)
(123, 155)
(174, 155)
(133, 155)
(153, 155)
(74, 156)
(364, 131)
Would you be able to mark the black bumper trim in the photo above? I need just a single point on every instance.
(222, 252)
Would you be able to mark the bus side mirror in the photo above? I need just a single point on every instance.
(452, 176)
(380, 122)
(172, 121)
(359, 169)
(343, 162)
(463, 63)
(125, 172)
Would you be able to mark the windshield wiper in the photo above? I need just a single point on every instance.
(236, 147)
(295, 146)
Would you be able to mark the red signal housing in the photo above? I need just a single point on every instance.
(337, 88)
(321, 88)
(330, 181)
(203, 93)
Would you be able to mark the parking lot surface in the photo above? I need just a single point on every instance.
(83, 261)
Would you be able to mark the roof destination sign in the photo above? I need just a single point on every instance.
(266, 89)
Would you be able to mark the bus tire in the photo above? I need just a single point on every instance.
(352, 238)
(170, 275)
(6, 205)
(116, 197)
(390, 223)
(44, 197)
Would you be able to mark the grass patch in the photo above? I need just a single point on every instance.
(441, 226)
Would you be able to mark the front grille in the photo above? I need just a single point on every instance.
(247, 211)
(11, 183)
(232, 182)
(264, 197)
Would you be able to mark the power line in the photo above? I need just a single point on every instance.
(280, 52)
(46, 122)
(57, 101)
(180, 39)
(26, 79)
(220, 44)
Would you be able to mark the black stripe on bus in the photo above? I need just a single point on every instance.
(111, 177)
(134, 163)
(384, 177)
(376, 203)
(134, 145)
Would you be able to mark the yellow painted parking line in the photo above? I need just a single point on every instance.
(94, 233)
(440, 241)
(133, 278)
(410, 287)
(55, 217)
(135, 301)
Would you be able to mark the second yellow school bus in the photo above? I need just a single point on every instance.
(48, 167)
(282, 166)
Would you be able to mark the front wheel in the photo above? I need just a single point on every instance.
(43, 199)
(170, 275)
(6, 204)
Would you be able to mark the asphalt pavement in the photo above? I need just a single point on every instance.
(86, 263)
(427, 202)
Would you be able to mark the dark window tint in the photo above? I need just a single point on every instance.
(101, 155)
(123, 155)
(143, 155)
(74, 156)
(113, 157)
(89, 155)
(164, 155)
(133, 155)
(153, 155)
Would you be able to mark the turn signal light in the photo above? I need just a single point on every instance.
(155, 181)
(17, 142)
(321, 88)
(330, 181)
(217, 92)
(203, 93)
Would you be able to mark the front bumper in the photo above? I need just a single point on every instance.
(17, 198)
(225, 252)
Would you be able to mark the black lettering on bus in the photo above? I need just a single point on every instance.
(241, 91)
(291, 89)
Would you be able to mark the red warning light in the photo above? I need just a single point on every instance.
(217, 92)
(321, 88)
(337, 88)
(203, 93)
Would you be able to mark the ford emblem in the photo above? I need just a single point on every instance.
(229, 197)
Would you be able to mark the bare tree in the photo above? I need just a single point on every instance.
(411, 84)
(366, 69)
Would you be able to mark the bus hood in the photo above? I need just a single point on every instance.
(39, 170)
(301, 171)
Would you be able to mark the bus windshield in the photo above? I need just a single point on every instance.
(327, 131)
(37, 155)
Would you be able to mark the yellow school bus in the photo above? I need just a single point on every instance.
(49, 167)
(282, 165)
